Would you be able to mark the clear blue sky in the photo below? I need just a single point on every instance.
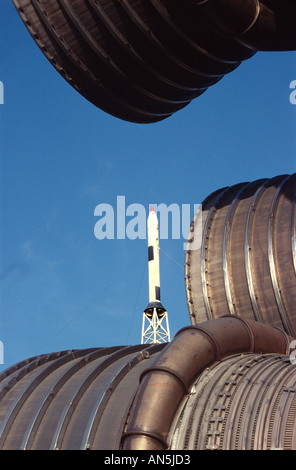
(61, 288)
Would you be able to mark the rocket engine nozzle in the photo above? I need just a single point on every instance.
(160, 310)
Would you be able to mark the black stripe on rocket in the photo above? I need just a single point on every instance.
(151, 258)
(150, 253)
(157, 292)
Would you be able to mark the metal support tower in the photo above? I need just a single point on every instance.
(155, 325)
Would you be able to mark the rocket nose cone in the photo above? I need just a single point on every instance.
(152, 218)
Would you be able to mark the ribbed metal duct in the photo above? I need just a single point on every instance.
(225, 384)
(246, 402)
(72, 399)
(169, 381)
(247, 261)
(142, 60)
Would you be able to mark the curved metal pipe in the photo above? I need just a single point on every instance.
(253, 22)
(194, 348)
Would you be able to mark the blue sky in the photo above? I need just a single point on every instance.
(61, 288)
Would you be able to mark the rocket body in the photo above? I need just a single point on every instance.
(153, 257)
(155, 327)
(153, 266)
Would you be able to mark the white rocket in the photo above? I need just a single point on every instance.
(155, 314)
(153, 256)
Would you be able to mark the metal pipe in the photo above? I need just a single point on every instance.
(164, 385)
